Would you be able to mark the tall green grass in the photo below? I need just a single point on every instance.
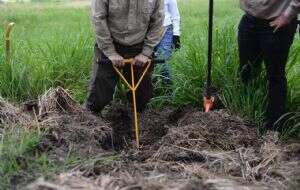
(52, 46)
(18, 162)
(189, 69)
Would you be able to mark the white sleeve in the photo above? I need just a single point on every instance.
(175, 17)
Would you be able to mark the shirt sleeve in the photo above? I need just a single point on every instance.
(155, 29)
(102, 32)
(293, 9)
(175, 17)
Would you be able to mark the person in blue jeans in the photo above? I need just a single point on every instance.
(170, 40)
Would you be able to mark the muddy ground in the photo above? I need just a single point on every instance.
(181, 148)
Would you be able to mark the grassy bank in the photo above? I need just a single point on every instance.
(53, 45)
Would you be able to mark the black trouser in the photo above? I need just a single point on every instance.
(104, 79)
(257, 43)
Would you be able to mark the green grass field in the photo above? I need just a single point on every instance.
(53, 45)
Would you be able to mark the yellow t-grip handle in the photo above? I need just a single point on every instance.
(8, 32)
(133, 87)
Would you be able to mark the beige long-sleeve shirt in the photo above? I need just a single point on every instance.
(127, 22)
(269, 9)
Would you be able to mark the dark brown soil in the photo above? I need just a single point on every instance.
(10, 114)
(74, 135)
(180, 149)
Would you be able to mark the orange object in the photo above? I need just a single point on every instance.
(133, 87)
(208, 103)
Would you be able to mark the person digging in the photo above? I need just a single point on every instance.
(266, 33)
(124, 30)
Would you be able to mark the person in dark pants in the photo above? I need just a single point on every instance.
(266, 33)
(124, 29)
(104, 79)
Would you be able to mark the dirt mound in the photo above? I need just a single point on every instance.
(197, 132)
(70, 131)
(57, 100)
(10, 114)
(207, 144)
(181, 149)
(74, 135)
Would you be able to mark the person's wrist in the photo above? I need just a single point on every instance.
(146, 56)
(289, 14)
(147, 51)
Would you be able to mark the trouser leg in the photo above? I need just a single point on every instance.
(145, 90)
(275, 48)
(102, 84)
(250, 53)
(164, 52)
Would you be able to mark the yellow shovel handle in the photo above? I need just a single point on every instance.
(131, 61)
(133, 87)
(9, 29)
(8, 32)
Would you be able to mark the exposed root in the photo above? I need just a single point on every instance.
(57, 100)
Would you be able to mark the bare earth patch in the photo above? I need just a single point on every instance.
(181, 149)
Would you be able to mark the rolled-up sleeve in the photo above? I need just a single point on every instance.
(293, 9)
(102, 32)
(155, 29)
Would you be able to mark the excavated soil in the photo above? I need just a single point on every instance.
(10, 114)
(180, 149)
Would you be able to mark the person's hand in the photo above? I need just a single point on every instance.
(117, 60)
(280, 22)
(141, 60)
(176, 42)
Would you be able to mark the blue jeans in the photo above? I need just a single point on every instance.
(164, 52)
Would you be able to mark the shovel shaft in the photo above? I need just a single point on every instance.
(208, 101)
(133, 87)
(136, 128)
(209, 49)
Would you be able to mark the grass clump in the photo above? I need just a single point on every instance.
(19, 163)
(53, 46)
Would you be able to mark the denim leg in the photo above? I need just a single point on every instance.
(164, 52)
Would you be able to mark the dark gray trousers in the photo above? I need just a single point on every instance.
(258, 43)
(104, 79)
